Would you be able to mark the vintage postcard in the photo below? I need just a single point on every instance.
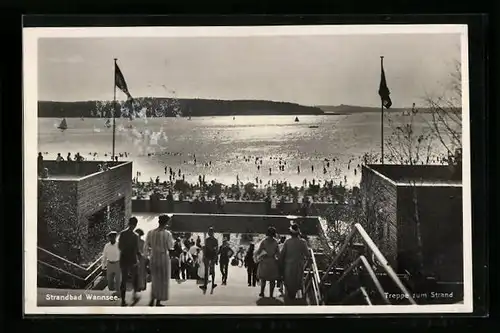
(247, 170)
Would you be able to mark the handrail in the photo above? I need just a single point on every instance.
(379, 256)
(384, 263)
(310, 283)
(375, 280)
(70, 262)
(69, 273)
(314, 266)
(92, 283)
(85, 276)
(61, 270)
(316, 292)
(87, 280)
(365, 295)
(313, 274)
(61, 258)
(371, 273)
(337, 257)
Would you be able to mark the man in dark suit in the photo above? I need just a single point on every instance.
(128, 243)
(210, 251)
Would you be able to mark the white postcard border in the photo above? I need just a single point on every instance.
(30, 143)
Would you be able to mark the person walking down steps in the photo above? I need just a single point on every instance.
(159, 242)
(225, 253)
(210, 251)
(128, 243)
(267, 257)
(111, 262)
(251, 266)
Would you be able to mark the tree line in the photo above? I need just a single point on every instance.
(171, 107)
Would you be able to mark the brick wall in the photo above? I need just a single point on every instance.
(100, 190)
(441, 229)
(379, 200)
(58, 227)
(64, 208)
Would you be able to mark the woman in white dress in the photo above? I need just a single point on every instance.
(158, 243)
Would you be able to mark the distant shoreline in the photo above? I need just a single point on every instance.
(172, 107)
(152, 107)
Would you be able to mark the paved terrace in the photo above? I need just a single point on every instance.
(147, 222)
(187, 293)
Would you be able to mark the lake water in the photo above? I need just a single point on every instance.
(223, 143)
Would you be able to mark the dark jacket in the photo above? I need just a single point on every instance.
(225, 253)
(248, 261)
(128, 243)
(211, 248)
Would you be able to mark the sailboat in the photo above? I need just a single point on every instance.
(63, 125)
(296, 119)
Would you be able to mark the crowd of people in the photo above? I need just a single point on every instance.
(45, 172)
(280, 191)
(159, 258)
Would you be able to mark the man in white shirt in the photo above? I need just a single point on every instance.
(185, 261)
(193, 250)
(111, 262)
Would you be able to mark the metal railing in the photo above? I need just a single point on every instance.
(312, 280)
(361, 261)
(67, 272)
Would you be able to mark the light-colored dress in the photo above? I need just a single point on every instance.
(267, 257)
(142, 267)
(156, 247)
(201, 265)
(293, 257)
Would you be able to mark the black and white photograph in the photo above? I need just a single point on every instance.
(247, 170)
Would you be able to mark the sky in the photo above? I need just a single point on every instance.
(308, 70)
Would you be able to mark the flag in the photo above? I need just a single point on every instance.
(120, 81)
(383, 90)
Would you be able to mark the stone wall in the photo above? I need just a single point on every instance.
(390, 220)
(379, 200)
(241, 224)
(441, 229)
(66, 205)
(59, 230)
(231, 207)
(103, 189)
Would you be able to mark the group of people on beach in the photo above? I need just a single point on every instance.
(159, 258)
(275, 191)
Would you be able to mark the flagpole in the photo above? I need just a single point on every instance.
(114, 109)
(382, 117)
